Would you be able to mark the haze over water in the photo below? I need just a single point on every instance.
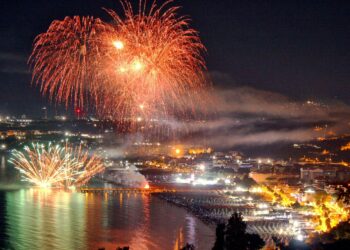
(49, 219)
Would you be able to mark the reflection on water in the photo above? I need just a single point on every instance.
(52, 219)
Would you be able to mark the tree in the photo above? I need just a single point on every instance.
(233, 236)
(293, 245)
(188, 247)
(220, 237)
(339, 245)
(339, 232)
(255, 242)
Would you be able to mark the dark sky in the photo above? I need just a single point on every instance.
(297, 48)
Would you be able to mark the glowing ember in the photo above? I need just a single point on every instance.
(118, 44)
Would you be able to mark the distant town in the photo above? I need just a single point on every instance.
(285, 198)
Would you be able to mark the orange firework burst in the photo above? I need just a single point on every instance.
(154, 61)
(145, 64)
(56, 166)
(64, 57)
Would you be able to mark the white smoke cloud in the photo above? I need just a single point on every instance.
(247, 116)
(128, 177)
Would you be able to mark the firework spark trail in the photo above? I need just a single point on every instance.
(56, 166)
(64, 57)
(146, 63)
(155, 60)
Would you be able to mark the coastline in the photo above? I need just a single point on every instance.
(200, 212)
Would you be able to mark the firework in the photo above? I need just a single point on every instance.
(64, 57)
(144, 64)
(56, 166)
(153, 61)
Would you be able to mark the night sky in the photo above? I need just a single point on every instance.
(300, 49)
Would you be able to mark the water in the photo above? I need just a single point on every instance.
(49, 219)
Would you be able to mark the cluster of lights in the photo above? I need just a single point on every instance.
(196, 181)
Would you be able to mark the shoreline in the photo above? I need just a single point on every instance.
(197, 210)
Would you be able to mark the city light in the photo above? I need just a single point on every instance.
(241, 189)
(201, 167)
